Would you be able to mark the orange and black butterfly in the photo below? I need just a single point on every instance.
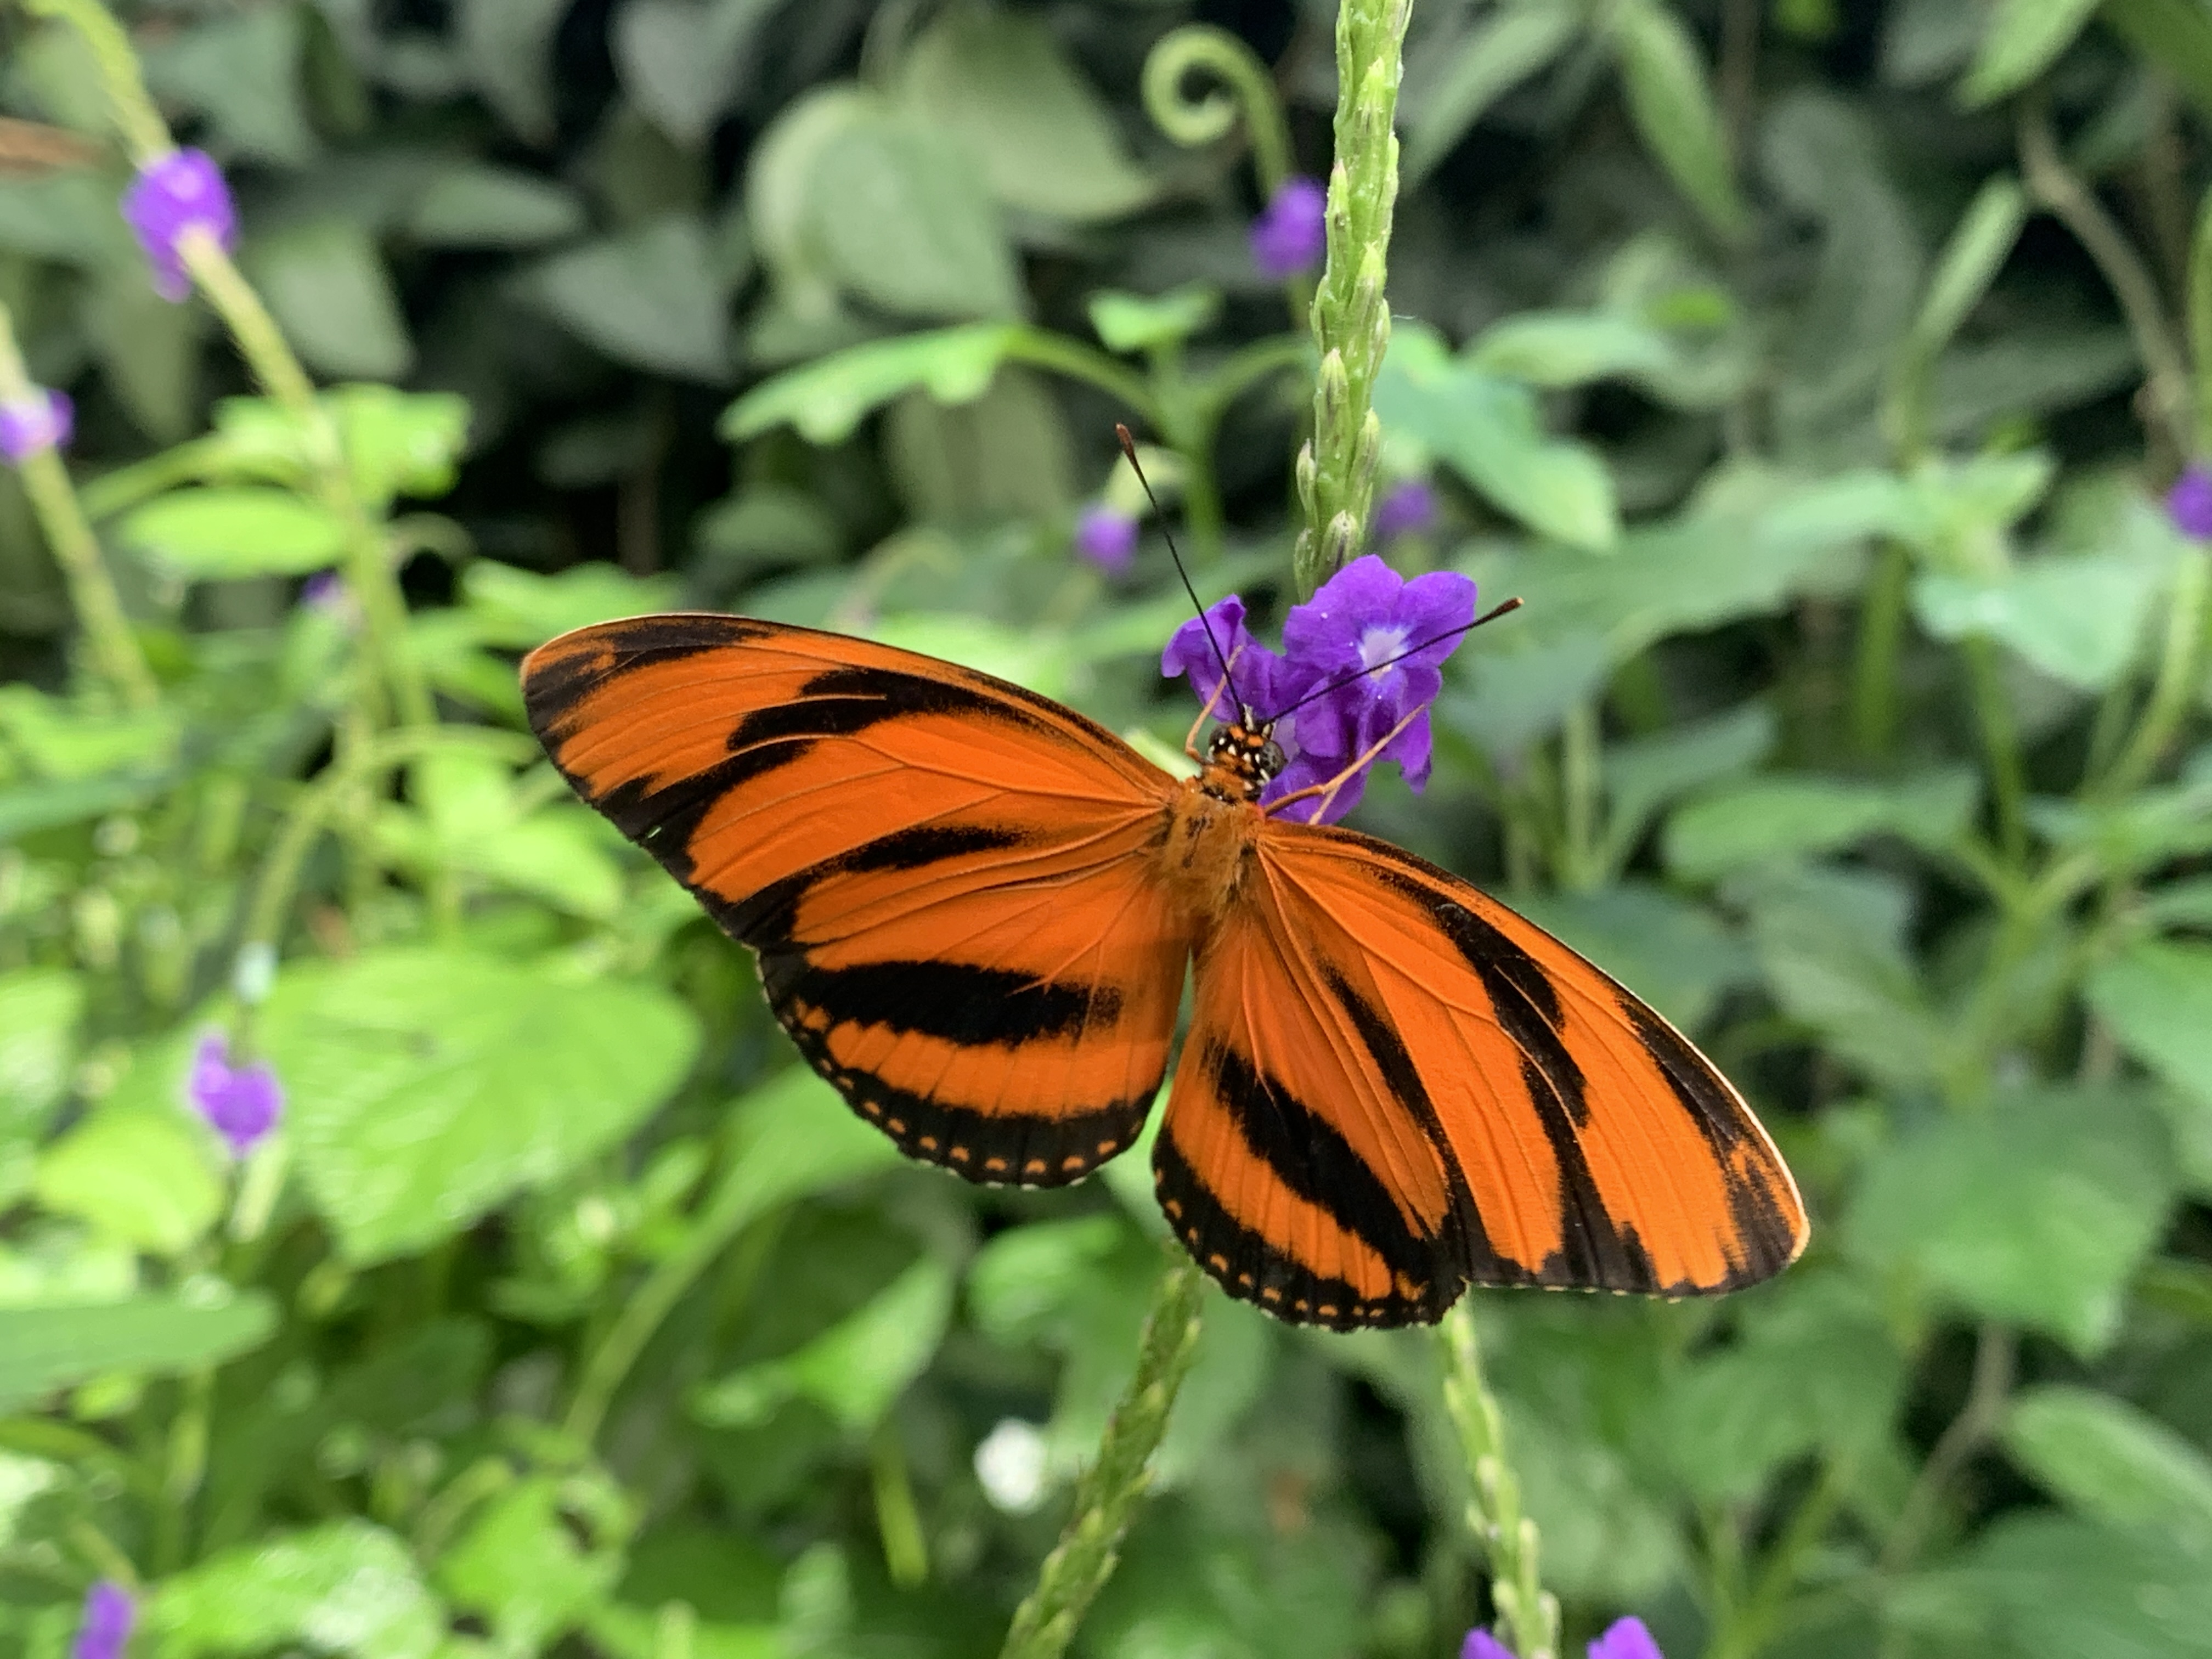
(974, 908)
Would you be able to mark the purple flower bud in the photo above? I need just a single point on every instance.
(324, 591)
(1625, 1639)
(2190, 502)
(174, 193)
(1406, 509)
(110, 1611)
(1107, 538)
(1481, 1644)
(242, 1105)
(1292, 234)
(42, 420)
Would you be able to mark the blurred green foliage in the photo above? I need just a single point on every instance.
(1813, 371)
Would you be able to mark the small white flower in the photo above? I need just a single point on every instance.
(1010, 1465)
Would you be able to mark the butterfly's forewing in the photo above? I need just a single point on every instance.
(1587, 1144)
(942, 872)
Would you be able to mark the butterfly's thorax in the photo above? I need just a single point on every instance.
(1214, 821)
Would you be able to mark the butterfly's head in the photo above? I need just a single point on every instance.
(1243, 756)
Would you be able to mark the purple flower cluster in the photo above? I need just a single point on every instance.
(1108, 538)
(241, 1104)
(1291, 235)
(2189, 503)
(181, 191)
(104, 1632)
(1364, 618)
(42, 420)
(1625, 1639)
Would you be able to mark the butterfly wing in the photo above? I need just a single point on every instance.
(1394, 1084)
(940, 871)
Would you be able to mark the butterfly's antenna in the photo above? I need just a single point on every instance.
(1129, 448)
(1410, 651)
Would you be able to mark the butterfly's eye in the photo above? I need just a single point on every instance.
(1271, 759)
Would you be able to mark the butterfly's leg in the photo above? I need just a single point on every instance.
(1328, 790)
(1190, 743)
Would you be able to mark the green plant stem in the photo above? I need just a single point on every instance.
(1758, 1619)
(2000, 745)
(1996, 1355)
(898, 1518)
(311, 813)
(2055, 186)
(1044, 348)
(1106, 1498)
(1527, 1615)
(186, 1469)
(369, 565)
(144, 133)
(2180, 670)
(91, 591)
(1200, 48)
(1881, 643)
(1581, 786)
(1351, 317)
(2200, 321)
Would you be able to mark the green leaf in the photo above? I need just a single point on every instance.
(326, 281)
(2037, 1212)
(144, 1177)
(1672, 102)
(476, 206)
(1778, 816)
(522, 1565)
(400, 443)
(1136, 322)
(2110, 1462)
(426, 1086)
(2044, 1586)
(227, 533)
(507, 48)
(1980, 244)
(148, 350)
(45, 1348)
(518, 610)
(344, 1588)
(2081, 620)
(2156, 999)
(1816, 1368)
(856, 1370)
(827, 398)
(2024, 37)
(2175, 34)
(794, 1137)
(69, 216)
(39, 1008)
(652, 298)
(677, 65)
(1832, 942)
(1569, 348)
(243, 73)
(998, 84)
(1643, 774)
(1486, 429)
(1502, 49)
(902, 220)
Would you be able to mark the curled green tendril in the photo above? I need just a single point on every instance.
(1246, 88)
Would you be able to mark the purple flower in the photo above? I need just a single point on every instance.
(1291, 235)
(1625, 1639)
(1406, 509)
(1339, 649)
(1481, 1644)
(110, 1611)
(42, 420)
(1364, 617)
(242, 1105)
(1255, 673)
(174, 193)
(2190, 502)
(1106, 537)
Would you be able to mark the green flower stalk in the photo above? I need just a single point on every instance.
(107, 632)
(1527, 1615)
(1106, 1498)
(192, 248)
(1351, 319)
